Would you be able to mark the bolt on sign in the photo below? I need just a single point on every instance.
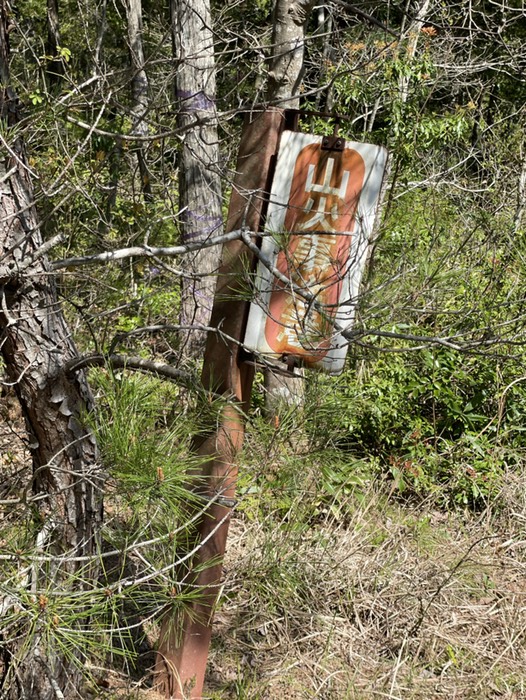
(320, 220)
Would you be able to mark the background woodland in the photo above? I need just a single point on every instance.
(377, 548)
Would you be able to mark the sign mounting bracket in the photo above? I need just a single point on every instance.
(332, 143)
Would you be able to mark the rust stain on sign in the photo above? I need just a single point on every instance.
(320, 218)
(324, 194)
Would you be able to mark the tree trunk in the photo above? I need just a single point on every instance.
(199, 178)
(288, 44)
(284, 80)
(521, 199)
(139, 84)
(35, 345)
(55, 66)
(421, 11)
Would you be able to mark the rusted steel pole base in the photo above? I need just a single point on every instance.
(184, 640)
(183, 646)
(184, 662)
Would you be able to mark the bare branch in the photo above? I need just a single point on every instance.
(145, 251)
(138, 364)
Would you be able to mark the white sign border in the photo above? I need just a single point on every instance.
(375, 161)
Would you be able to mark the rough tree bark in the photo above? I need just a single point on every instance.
(139, 85)
(199, 180)
(288, 48)
(35, 345)
(284, 81)
(521, 199)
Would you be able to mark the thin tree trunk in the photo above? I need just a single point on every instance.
(284, 81)
(35, 346)
(101, 31)
(199, 178)
(55, 66)
(139, 86)
(413, 33)
(115, 159)
(325, 22)
(415, 28)
(288, 44)
(521, 199)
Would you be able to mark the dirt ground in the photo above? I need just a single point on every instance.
(401, 603)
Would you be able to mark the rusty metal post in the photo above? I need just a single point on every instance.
(182, 654)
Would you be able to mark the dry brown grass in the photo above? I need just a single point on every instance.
(391, 601)
(398, 602)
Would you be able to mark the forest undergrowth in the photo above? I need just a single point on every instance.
(337, 582)
(377, 547)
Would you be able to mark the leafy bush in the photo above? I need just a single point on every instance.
(428, 420)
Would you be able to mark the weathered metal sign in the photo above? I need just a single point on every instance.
(319, 223)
